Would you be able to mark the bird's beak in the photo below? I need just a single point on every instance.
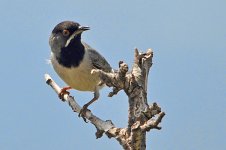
(78, 31)
(83, 28)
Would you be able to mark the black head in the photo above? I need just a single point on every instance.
(68, 26)
(65, 43)
(66, 32)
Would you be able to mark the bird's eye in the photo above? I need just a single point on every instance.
(66, 32)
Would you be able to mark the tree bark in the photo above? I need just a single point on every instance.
(140, 115)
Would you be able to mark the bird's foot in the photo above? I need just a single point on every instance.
(64, 91)
(82, 112)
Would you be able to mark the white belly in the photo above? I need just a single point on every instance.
(79, 78)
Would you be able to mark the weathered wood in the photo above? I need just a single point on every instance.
(140, 115)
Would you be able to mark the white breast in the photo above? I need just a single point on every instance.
(80, 77)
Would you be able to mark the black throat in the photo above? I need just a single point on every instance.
(72, 55)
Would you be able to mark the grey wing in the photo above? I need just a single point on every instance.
(98, 61)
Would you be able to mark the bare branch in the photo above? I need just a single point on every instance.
(153, 124)
(102, 126)
(141, 118)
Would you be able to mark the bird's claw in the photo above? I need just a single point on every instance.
(82, 112)
(63, 92)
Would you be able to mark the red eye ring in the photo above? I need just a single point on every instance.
(66, 32)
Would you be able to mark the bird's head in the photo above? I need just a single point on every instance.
(65, 33)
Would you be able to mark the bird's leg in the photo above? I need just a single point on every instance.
(64, 91)
(85, 107)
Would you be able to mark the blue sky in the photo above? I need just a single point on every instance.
(187, 78)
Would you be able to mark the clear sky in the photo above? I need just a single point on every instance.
(187, 79)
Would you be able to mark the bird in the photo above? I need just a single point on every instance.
(73, 60)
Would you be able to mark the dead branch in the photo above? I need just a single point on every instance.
(142, 117)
